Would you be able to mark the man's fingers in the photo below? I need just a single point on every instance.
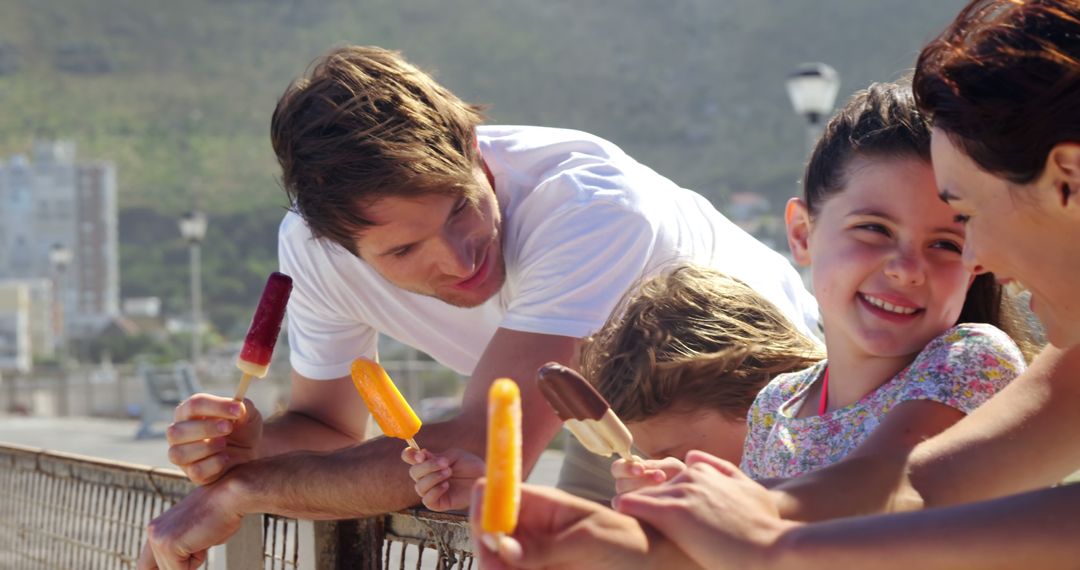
(188, 431)
(185, 454)
(209, 406)
(208, 470)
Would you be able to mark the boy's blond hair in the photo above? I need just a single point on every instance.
(692, 338)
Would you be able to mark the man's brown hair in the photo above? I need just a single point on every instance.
(366, 124)
(692, 338)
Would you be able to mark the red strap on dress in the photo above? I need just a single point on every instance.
(823, 405)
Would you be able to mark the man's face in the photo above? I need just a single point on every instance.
(436, 245)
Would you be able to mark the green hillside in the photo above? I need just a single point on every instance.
(179, 94)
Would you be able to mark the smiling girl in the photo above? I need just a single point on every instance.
(911, 333)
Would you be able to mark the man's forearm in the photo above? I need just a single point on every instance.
(366, 479)
(293, 431)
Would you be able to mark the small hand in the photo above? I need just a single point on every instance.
(712, 511)
(211, 435)
(631, 475)
(443, 481)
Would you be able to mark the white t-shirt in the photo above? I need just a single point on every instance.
(582, 223)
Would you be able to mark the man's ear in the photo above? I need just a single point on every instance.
(1063, 173)
(797, 218)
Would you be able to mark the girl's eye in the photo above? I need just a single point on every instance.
(961, 218)
(459, 207)
(402, 252)
(876, 228)
(949, 245)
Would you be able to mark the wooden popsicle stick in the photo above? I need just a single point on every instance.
(245, 380)
(412, 443)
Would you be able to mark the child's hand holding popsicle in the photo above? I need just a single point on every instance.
(445, 480)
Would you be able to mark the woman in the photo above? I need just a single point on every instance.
(1002, 85)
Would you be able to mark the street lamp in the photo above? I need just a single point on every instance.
(60, 258)
(193, 229)
(812, 88)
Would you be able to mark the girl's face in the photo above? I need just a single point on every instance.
(885, 253)
(1028, 233)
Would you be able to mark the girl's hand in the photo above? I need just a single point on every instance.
(713, 512)
(631, 475)
(443, 481)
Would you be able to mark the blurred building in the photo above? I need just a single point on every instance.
(51, 198)
(15, 345)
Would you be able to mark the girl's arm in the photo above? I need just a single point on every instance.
(875, 469)
(721, 519)
(1022, 439)
(1033, 530)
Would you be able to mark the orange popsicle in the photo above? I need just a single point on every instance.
(254, 359)
(502, 496)
(385, 402)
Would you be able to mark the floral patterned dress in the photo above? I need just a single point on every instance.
(961, 368)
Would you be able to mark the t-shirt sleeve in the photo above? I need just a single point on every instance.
(576, 266)
(322, 341)
(963, 367)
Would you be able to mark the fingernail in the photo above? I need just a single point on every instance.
(235, 410)
(224, 427)
(490, 542)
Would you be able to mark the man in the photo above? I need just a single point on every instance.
(493, 249)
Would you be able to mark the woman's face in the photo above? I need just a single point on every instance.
(1027, 233)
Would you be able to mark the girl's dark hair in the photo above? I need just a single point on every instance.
(880, 121)
(883, 122)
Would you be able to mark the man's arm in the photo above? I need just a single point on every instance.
(323, 415)
(369, 478)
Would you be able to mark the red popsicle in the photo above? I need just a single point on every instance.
(254, 358)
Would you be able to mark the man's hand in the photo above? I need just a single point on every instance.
(631, 475)
(211, 435)
(712, 511)
(444, 481)
(180, 537)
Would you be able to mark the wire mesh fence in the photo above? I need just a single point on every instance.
(62, 511)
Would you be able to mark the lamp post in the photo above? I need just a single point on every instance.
(812, 88)
(60, 258)
(193, 229)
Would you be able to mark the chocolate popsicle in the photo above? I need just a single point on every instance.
(584, 411)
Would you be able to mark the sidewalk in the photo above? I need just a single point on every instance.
(115, 439)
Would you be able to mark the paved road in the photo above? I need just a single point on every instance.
(115, 439)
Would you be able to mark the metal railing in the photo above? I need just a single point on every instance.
(60, 510)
